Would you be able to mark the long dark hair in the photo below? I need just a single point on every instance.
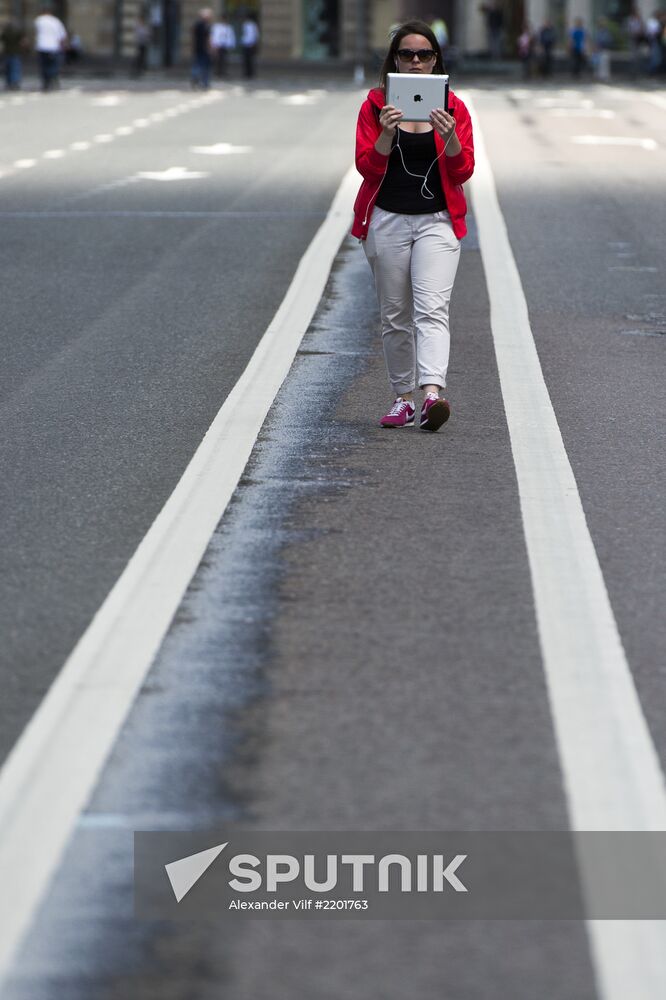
(409, 28)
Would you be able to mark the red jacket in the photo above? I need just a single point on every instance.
(372, 166)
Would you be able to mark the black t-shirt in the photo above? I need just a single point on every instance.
(402, 193)
(12, 40)
(200, 36)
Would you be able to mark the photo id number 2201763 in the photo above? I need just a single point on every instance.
(299, 904)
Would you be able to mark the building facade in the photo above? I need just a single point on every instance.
(311, 30)
(92, 20)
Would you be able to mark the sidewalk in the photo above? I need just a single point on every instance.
(470, 66)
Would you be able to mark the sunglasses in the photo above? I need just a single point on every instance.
(423, 55)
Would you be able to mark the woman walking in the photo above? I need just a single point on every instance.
(410, 215)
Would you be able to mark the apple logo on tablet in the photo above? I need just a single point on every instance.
(417, 97)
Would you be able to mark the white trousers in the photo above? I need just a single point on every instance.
(414, 259)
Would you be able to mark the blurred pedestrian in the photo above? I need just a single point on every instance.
(654, 29)
(141, 40)
(249, 44)
(578, 47)
(410, 216)
(201, 52)
(526, 46)
(494, 26)
(74, 50)
(222, 41)
(440, 30)
(50, 43)
(547, 39)
(603, 43)
(14, 45)
(634, 29)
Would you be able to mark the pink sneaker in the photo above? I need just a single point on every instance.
(434, 412)
(400, 415)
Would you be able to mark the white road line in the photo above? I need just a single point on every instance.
(108, 100)
(50, 773)
(627, 267)
(220, 149)
(562, 102)
(257, 214)
(171, 174)
(614, 140)
(612, 776)
(656, 99)
(617, 94)
(582, 113)
(122, 130)
(14, 102)
(297, 100)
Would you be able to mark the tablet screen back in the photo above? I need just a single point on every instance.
(417, 94)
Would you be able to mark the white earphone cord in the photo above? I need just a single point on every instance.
(425, 190)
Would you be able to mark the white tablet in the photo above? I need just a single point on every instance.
(417, 94)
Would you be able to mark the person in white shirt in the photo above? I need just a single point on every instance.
(222, 40)
(249, 44)
(50, 43)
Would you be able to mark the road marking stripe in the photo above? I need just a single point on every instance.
(614, 140)
(612, 776)
(106, 138)
(562, 102)
(631, 267)
(604, 113)
(622, 95)
(656, 99)
(148, 214)
(53, 768)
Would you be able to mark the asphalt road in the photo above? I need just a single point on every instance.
(359, 648)
(125, 333)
